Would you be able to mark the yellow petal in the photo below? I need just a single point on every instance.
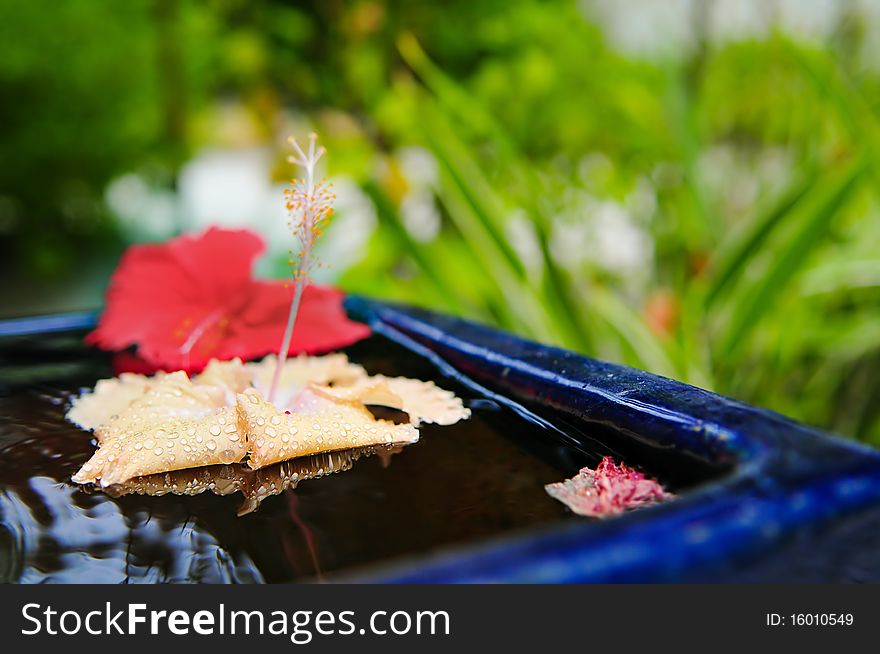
(140, 446)
(222, 380)
(422, 401)
(171, 396)
(317, 425)
(301, 371)
(370, 390)
(174, 425)
(109, 397)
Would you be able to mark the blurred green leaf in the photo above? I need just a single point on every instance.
(755, 298)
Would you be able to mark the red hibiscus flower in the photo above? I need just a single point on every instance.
(192, 299)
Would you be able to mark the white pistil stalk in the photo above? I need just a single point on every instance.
(310, 206)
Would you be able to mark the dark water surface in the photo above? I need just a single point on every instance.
(457, 485)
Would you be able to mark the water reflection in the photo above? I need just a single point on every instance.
(51, 531)
(54, 533)
(254, 485)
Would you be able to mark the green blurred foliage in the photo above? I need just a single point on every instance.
(710, 215)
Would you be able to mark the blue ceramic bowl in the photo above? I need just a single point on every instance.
(784, 502)
(792, 503)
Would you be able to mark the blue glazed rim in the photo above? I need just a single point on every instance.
(797, 505)
(60, 322)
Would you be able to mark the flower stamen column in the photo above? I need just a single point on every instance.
(310, 204)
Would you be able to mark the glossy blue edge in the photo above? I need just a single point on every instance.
(61, 322)
(796, 505)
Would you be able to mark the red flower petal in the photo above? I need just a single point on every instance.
(193, 299)
(321, 325)
(607, 490)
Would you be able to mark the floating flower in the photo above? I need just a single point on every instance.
(192, 299)
(192, 304)
(169, 422)
(608, 490)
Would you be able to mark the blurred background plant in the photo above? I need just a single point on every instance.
(687, 187)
